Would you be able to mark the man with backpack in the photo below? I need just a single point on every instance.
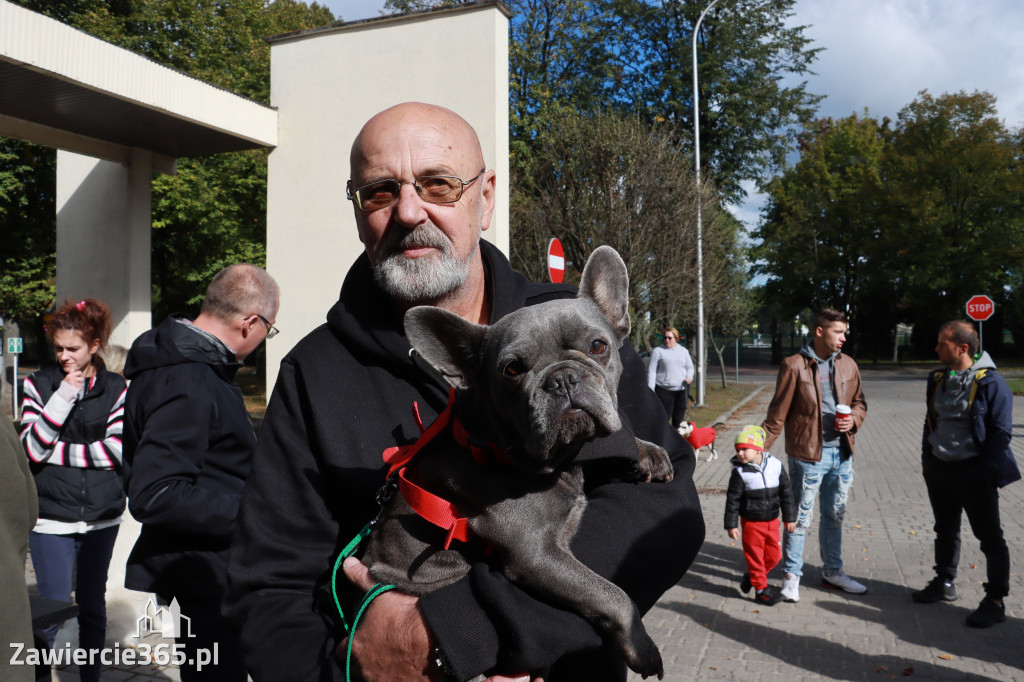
(966, 458)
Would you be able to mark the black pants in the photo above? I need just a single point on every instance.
(205, 629)
(674, 403)
(951, 490)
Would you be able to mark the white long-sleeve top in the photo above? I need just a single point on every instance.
(669, 368)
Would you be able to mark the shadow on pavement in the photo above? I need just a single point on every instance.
(939, 626)
(936, 625)
(814, 653)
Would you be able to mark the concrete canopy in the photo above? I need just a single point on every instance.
(114, 117)
(61, 87)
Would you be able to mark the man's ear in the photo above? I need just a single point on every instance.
(451, 344)
(606, 282)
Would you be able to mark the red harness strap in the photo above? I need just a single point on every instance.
(431, 507)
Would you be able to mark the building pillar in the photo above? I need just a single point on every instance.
(103, 237)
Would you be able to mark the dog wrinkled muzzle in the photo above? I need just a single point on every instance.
(571, 405)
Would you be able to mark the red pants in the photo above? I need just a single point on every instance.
(761, 548)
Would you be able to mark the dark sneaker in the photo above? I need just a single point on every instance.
(988, 613)
(745, 583)
(937, 590)
(769, 596)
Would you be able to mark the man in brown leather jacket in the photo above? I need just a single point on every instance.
(820, 447)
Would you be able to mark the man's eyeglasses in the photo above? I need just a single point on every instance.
(433, 189)
(271, 329)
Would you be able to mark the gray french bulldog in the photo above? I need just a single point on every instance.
(539, 384)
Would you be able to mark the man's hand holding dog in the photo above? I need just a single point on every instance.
(393, 642)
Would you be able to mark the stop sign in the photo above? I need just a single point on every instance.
(556, 261)
(980, 308)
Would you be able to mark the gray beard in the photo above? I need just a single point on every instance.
(426, 279)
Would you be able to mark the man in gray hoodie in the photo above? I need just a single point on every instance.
(966, 458)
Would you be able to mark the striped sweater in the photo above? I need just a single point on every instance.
(43, 421)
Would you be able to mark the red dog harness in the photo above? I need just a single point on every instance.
(431, 507)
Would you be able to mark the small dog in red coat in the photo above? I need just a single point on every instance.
(699, 438)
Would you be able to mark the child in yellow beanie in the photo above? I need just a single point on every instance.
(758, 488)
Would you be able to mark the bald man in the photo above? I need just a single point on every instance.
(422, 196)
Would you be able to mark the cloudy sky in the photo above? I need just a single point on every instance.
(880, 53)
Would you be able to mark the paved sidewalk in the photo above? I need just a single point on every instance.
(707, 629)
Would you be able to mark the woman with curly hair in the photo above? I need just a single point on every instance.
(72, 417)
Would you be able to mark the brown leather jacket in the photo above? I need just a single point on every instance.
(797, 405)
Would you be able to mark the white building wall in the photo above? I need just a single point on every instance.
(326, 84)
(103, 237)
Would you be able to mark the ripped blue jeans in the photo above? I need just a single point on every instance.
(829, 480)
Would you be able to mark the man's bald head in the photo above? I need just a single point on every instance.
(423, 252)
(415, 115)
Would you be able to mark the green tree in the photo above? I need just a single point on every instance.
(898, 224)
(557, 67)
(404, 6)
(750, 102)
(821, 239)
(612, 179)
(956, 192)
(635, 56)
(27, 221)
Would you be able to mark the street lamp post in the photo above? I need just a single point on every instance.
(701, 355)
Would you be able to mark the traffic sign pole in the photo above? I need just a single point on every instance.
(979, 309)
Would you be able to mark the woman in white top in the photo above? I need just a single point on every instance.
(669, 375)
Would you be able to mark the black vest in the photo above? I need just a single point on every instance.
(70, 493)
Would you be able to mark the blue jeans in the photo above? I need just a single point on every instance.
(54, 558)
(829, 479)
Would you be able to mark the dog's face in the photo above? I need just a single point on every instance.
(541, 381)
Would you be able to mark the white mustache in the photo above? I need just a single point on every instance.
(424, 236)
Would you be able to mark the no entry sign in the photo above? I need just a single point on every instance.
(980, 308)
(556, 261)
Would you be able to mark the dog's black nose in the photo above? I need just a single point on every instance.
(562, 381)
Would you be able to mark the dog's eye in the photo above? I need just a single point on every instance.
(515, 368)
(598, 347)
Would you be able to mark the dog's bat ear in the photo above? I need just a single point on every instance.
(606, 282)
(448, 342)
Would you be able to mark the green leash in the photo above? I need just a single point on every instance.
(349, 550)
(368, 598)
(375, 592)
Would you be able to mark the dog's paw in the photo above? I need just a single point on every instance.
(643, 656)
(654, 464)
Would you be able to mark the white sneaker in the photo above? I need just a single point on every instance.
(791, 588)
(841, 581)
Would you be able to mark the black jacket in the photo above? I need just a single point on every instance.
(188, 448)
(758, 493)
(343, 395)
(78, 477)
